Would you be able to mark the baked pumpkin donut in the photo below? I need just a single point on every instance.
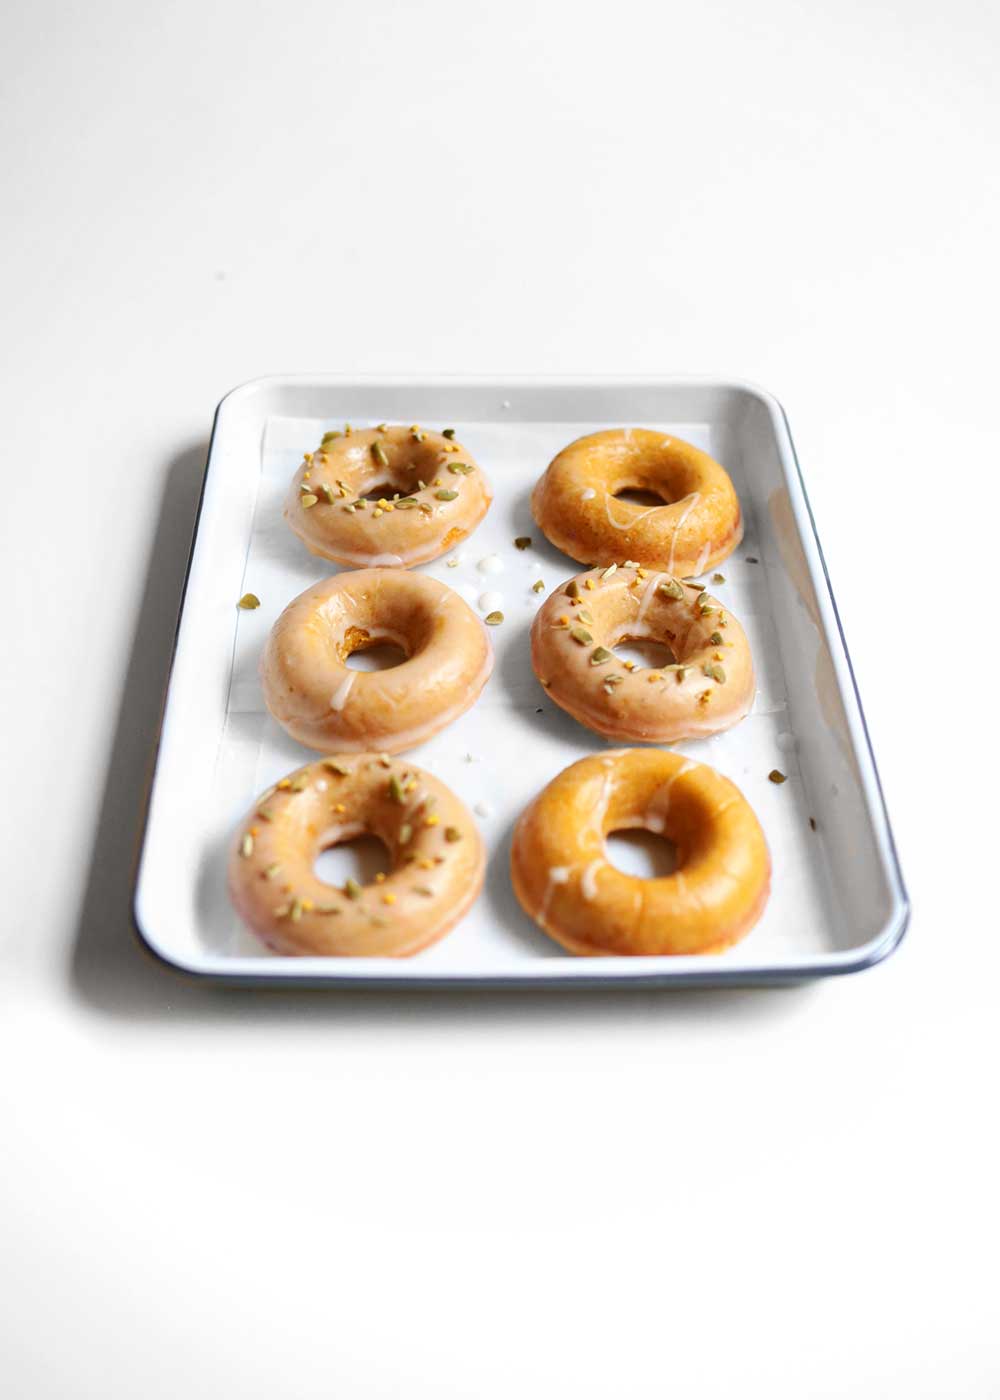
(436, 856)
(707, 687)
(433, 495)
(564, 881)
(576, 506)
(312, 692)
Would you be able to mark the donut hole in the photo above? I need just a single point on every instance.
(642, 496)
(381, 491)
(359, 858)
(646, 652)
(647, 854)
(375, 656)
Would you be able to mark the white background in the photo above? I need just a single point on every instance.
(208, 1193)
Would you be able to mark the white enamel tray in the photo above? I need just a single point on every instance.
(837, 902)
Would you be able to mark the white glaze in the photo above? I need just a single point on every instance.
(628, 523)
(588, 880)
(693, 500)
(490, 564)
(558, 875)
(491, 602)
(647, 596)
(588, 495)
(339, 697)
(483, 809)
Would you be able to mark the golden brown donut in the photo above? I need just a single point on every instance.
(433, 495)
(436, 855)
(564, 881)
(708, 687)
(576, 507)
(312, 692)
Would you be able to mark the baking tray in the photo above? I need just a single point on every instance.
(838, 902)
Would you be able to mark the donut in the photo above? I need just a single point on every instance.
(319, 700)
(564, 881)
(576, 506)
(707, 687)
(433, 495)
(436, 854)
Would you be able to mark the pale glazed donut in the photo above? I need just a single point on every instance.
(576, 507)
(311, 691)
(434, 495)
(435, 850)
(709, 687)
(565, 882)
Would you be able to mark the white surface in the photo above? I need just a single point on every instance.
(834, 899)
(781, 1194)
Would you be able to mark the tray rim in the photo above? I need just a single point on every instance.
(628, 973)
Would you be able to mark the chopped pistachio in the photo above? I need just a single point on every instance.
(600, 656)
(717, 674)
(445, 495)
(329, 437)
(246, 845)
(698, 587)
(493, 619)
(328, 909)
(452, 833)
(776, 775)
(611, 681)
(335, 766)
(671, 589)
(264, 814)
(422, 889)
(461, 468)
(326, 492)
(449, 433)
(352, 889)
(581, 636)
(716, 639)
(681, 673)
(308, 500)
(718, 578)
(407, 503)
(405, 834)
(396, 789)
(705, 609)
(573, 589)
(248, 602)
(611, 569)
(270, 871)
(584, 615)
(522, 542)
(295, 910)
(538, 586)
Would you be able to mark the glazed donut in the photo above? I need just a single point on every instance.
(576, 507)
(435, 850)
(319, 700)
(709, 686)
(433, 496)
(564, 881)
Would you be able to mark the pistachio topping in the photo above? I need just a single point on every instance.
(295, 910)
(522, 542)
(611, 569)
(671, 589)
(246, 845)
(698, 587)
(584, 615)
(334, 765)
(681, 673)
(405, 834)
(264, 814)
(327, 909)
(461, 468)
(445, 495)
(422, 889)
(493, 619)
(326, 492)
(449, 433)
(330, 436)
(716, 673)
(581, 636)
(600, 656)
(308, 500)
(538, 586)
(716, 639)
(718, 578)
(452, 834)
(248, 602)
(572, 589)
(705, 609)
(776, 775)
(611, 681)
(269, 871)
(396, 789)
(352, 889)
